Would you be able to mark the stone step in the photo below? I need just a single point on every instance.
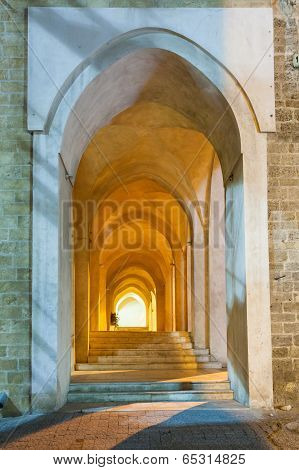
(95, 344)
(147, 360)
(181, 395)
(141, 340)
(149, 366)
(148, 352)
(149, 386)
(120, 333)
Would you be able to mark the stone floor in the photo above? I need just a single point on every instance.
(212, 425)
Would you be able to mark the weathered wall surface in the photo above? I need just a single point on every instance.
(15, 208)
(283, 191)
(15, 193)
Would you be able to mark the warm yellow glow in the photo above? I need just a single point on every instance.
(131, 310)
(148, 173)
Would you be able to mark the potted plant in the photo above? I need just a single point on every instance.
(114, 320)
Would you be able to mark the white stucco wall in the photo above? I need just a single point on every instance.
(61, 39)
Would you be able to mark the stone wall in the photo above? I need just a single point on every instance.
(15, 194)
(15, 209)
(283, 172)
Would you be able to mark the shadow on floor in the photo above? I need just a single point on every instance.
(203, 426)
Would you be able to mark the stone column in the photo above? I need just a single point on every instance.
(199, 320)
(161, 304)
(217, 281)
(180, 291)
(103, 298)
(82, 305)
(173, 297)
(94, 292)
(188, 257)
(154, 311)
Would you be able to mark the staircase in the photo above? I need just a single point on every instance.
(149, 392)
(146, 352)
(123, 350)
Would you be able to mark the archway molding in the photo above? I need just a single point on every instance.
(250, 366)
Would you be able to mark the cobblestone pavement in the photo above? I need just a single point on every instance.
(149, 426)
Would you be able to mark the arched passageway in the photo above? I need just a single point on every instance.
(148, 184)
(159, 161)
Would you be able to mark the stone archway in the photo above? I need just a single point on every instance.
(240, 148)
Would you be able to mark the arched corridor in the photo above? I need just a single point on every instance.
(147, 187)
(156, 149)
